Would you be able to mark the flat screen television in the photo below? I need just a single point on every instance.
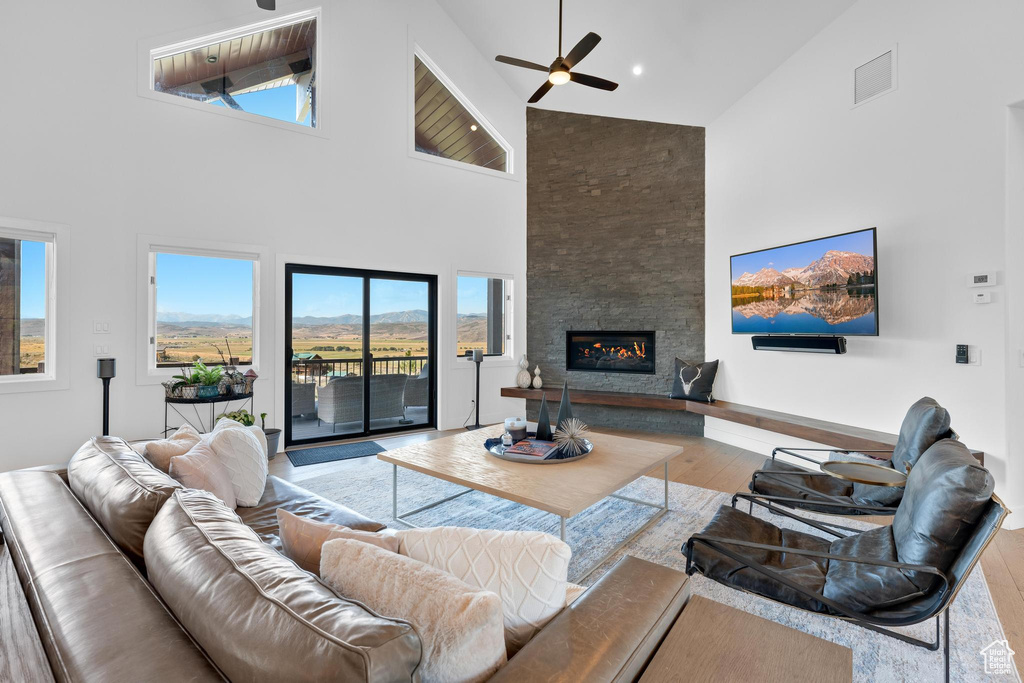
(825, 286)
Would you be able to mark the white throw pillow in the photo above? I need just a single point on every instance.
(242, 456)
(200, 468)
(527, 569)
(459, 625)
(228, 423)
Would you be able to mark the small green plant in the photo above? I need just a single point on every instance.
(263, 421)
(204, 375)
(241, 416)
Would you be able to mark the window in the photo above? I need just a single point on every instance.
(26, 316)
(483, 315)
(203, 307)
(447, 126)
(266, 69)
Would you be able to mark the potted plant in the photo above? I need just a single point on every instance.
(185, 385)
(273, 436)
(208, 380)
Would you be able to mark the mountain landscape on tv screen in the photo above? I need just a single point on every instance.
(831, 294)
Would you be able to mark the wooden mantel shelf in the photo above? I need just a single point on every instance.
(819, 431)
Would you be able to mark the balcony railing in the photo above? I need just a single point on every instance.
(320, 371)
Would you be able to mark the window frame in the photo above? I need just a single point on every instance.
(239, 26)
(55, 335)
(507, 316)
(417, 52)
(148, 247)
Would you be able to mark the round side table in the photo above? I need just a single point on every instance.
(865, 473)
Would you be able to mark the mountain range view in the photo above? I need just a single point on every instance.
(833, 268)
(214, 319)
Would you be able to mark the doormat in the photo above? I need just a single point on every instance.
(341, 451)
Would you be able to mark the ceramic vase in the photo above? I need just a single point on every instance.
(537, 381)
(523, 376)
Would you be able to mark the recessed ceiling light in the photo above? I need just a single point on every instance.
(473, 127)
(637, 70)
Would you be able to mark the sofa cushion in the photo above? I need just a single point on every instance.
(945, 495)
(160, 451)
(121, 489)
(279, 493)
(303, 538)
(925, 423)
(228, 423)
(527, 569)
(256, 614)
(201, 469)
(460, 625)
(730, 523)
(97, 618)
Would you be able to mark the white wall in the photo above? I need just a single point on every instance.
(927, 165)
(80, 147)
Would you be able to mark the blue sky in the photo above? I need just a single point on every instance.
(326, 296)
(800, 255)
(276, 103)
(200, 284)
(33, 279)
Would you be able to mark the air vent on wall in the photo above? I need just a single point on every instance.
(874, 78)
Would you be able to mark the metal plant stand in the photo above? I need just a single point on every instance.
(172, 403)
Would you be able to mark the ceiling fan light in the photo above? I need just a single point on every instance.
(558, 77)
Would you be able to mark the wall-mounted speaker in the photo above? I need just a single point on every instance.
(826, 344)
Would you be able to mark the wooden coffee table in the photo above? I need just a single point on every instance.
(564, 490)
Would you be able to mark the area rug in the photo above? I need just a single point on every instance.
(594, 532)
(341, 451)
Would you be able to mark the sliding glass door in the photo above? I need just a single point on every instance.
(360, 352)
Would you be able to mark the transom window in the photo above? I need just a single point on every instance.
(267, 69)
(483, 315)
(26, 318)
(202, 308)
(447, 126)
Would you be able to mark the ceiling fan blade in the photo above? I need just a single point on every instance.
(541, 92)
(592, 81)
(582, 49)
(518, 62)
(267, 4)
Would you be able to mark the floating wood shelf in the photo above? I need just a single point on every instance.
(819, 431)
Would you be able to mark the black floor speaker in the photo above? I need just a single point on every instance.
(825, 344)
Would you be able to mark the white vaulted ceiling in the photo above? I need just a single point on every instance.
(698, 56)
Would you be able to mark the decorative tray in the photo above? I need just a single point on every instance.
(495, 448)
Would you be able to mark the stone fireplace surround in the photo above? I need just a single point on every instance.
(615, 241)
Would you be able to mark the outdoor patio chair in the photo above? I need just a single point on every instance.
(896, 575)
(798, 487)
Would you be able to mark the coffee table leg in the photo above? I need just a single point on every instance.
(394, 491)
(666, 487)
(562, 530)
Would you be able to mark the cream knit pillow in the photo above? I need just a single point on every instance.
(228, 423)
(459, 625)
(161, 451)
(527, 569)
(242, 456)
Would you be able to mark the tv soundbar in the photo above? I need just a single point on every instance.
(826, 344)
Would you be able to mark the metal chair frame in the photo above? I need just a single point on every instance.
(939, 608)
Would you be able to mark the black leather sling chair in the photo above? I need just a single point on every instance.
(797, 487)
(896, 575)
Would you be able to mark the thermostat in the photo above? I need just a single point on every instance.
(985, 279)
(982, 297)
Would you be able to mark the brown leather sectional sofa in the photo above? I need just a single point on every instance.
(130, 577)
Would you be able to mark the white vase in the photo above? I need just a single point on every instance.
(537, 381)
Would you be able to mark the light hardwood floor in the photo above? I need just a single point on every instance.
(721, 467)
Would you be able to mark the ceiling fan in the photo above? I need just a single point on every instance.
(560, 72)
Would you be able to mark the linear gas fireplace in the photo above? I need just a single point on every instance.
(610, 351)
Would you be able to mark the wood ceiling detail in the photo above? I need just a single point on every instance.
(247, 54)
(443, 126)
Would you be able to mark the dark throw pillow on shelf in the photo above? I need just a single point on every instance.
(694, 382)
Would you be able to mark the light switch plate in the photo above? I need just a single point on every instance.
(101, 327)
(101, 350)
(973, 355)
